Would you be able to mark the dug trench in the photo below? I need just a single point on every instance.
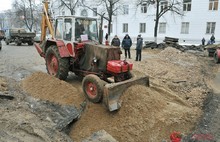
(180, 98)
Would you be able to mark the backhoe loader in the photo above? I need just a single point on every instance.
(73, 47)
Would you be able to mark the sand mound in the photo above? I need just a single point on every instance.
(3, 85)
(145, 115)
(43, 86)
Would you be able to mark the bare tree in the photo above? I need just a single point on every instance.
(163, 7)
(25, 11)
(69, 4)
(110, 7)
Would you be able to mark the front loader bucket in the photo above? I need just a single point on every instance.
(113, 91)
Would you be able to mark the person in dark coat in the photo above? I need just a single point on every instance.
(212, 39)
(139, 48)
(126, 44)
(106, 36)
(116, 41)
(203, 41)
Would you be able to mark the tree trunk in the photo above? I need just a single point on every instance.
(100, 30)
(109, 25)
(156, 21)
(155, 30)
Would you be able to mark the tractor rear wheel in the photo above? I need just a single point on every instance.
(93, 88)
(56, 66)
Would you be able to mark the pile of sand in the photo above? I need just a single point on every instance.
(147, 114)
(3, 85)
(183, 73)
(43, 86)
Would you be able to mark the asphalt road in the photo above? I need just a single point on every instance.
(19, 61)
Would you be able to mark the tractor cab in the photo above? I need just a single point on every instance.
(73, 28)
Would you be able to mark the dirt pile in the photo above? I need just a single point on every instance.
(3, 85)
(146, 115)
(43, 86)
(183, 73)
(24, 118)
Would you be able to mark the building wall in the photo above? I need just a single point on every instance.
(197, 17)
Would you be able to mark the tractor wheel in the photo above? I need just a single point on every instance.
(216, 58)
(56, 66)
(93, 88)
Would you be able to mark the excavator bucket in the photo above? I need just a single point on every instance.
(113, 91)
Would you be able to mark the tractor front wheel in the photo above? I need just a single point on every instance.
(56, 66)
(93, 88)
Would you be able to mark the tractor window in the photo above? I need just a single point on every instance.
(86, 27)
(67, 34)
(59, 29)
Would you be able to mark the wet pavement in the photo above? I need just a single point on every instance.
(19, 61)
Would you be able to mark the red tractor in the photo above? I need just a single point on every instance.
(73, 47)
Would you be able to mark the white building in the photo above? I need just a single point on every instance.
(201, 19)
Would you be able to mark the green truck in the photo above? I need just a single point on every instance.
(19, 36)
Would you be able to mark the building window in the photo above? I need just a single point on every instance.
(162, 28)
(94, 11)
(185, 28)
(163, 5)
(210, 29)
(142, 27)
(144, 8)
(84, 12)
(125, 27)
(63, 12)
(213, 4)
(125, 9)
(186, 5)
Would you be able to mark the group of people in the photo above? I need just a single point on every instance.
(126, 45)
(211, 41)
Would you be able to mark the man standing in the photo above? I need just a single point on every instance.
(126, 44)
(203, 41)
(115, 41)
(139, 48)
(212, 39)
